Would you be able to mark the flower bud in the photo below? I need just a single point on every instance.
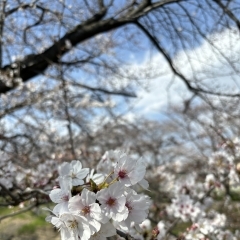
(155, 232)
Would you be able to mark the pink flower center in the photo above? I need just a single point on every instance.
(111, 201)
(65, 198)
(129, 206)
(86, 210)
(122, 174)
(74, 175)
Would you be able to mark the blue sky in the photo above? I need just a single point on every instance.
(216, 66)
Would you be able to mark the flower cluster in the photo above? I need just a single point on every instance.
(222, 164)
(209, 228)
(6, 173)
(203, 194)
(184, 207)
(93, 206)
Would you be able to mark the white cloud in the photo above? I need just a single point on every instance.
(162, 91)
(214, 65)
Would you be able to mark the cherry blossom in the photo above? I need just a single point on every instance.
(161, 230)
(91, 206)
(145, 225)
(108, 161)
(195, 235)
(129, 171)
(61, 195)
(137, 205)
(86, 206)
(7, 172)
(100, 203)
(77, 226)
(112, 202)
(96, 177)
(73, 172)
(184, 207)
(107, 230)
(71, 226)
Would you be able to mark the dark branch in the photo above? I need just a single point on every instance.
(40, 62)
(228, 12)
(93, 26)
(98, 89)
(125, 235)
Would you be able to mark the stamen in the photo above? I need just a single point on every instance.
(86, 210)
(122, 174)
(73, 224)
(73, 175)
(111, 201)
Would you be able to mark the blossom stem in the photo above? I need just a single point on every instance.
(113, 181)
(104, 184)
(108, 176)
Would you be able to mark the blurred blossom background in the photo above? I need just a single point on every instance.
(158, 80)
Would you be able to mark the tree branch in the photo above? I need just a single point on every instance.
(125, 235)
(40, 62)
(196, 90)
(228, 12)
(18, 212)
(2, 19)
(104, 90)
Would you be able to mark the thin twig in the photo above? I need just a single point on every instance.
(18, 212)
(125, 235)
